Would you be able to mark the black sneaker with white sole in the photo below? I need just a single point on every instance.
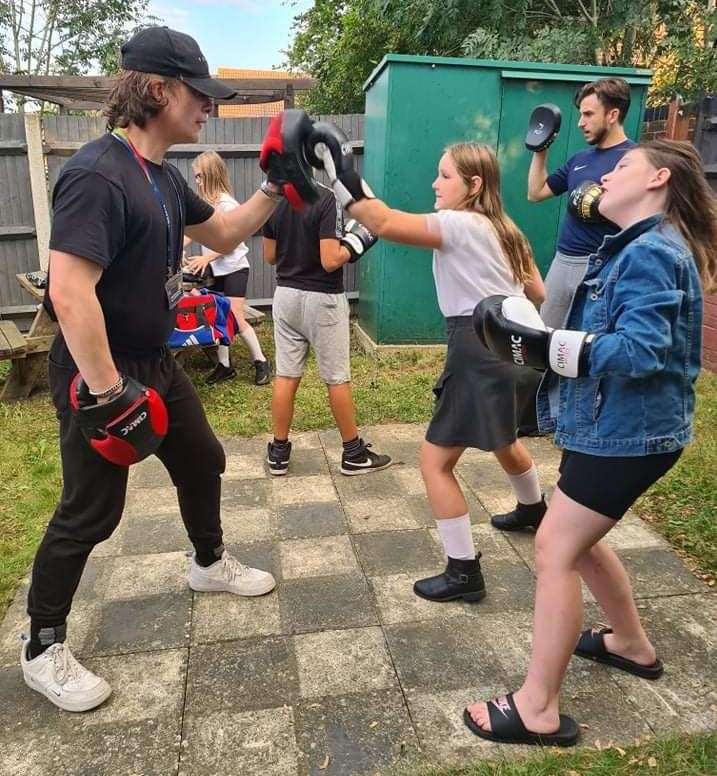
(263, 372)
(364, 462)
(278, 458)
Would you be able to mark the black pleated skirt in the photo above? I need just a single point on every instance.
(481, 401)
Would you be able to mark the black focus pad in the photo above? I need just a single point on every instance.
(543, 126)
(584, 200)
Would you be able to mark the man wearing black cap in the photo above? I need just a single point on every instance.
(119, 212)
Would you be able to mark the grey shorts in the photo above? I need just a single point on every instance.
(316, 319)
(561, 283)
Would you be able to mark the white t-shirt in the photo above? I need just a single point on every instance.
(470, 264)
(237, 259)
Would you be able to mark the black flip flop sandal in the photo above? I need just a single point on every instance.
(591, 646)
(507, 727)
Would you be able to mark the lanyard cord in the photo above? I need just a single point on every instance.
(122, 138)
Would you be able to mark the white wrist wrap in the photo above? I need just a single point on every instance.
(355, 242)
(564, 351)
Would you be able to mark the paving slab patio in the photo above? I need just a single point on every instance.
(341, 670)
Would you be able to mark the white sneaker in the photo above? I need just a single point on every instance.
(231, 576)
(58, 676)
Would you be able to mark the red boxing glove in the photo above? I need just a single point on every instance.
(125, 429)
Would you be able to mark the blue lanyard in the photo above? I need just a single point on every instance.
(122, 138)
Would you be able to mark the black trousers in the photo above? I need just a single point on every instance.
(94, 490)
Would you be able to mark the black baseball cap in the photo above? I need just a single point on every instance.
(168, 52)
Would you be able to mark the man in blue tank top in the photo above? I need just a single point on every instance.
(603, 105)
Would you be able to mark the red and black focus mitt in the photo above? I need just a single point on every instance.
(125, 429)
(283, 157)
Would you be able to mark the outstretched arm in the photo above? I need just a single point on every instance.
(395, 225)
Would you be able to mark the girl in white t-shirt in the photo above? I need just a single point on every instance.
(481, 402)
(230, 270)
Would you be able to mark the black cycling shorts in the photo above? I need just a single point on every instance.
(233, 284)
(611, 485)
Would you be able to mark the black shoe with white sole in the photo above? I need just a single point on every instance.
(364, 462)
(277, 456)
(220, 373)
(263, 372)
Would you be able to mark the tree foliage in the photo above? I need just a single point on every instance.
(340, 41)
(45, 37)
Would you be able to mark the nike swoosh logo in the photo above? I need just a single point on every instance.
(580, 167)
(363, 465)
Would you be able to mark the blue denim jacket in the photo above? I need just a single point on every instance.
(641, 297)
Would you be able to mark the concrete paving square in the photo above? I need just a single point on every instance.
(341, 669)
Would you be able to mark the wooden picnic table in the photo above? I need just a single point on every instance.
(28, 352)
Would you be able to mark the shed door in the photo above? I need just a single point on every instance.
(539, 220)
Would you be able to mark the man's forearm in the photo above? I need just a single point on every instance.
(537, 174)
(246, 220)
(83, 327)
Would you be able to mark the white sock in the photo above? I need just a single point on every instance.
(252, 342)
(223, 355)
(455, 533)
(526, 486)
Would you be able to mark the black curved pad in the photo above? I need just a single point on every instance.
(543, 126)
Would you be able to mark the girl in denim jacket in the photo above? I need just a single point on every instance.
(629, 359)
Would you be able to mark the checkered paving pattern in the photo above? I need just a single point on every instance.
(341, 670)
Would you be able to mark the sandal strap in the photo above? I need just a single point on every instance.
(593, 641)
(505, 721)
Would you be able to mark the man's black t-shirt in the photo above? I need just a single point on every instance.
(298, 250)
(104, 210)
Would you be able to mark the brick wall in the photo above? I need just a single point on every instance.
(653, 130)
(709, 334)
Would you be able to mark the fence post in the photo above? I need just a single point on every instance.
(678, 121)
(38, 186)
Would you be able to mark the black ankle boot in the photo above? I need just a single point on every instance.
(461, 579)
(523, 516)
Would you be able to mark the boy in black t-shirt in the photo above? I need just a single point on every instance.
(119, 214)
(311, 309)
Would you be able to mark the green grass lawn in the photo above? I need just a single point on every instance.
(676, 756)
(395, 389)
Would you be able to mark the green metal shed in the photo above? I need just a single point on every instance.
(417, 105)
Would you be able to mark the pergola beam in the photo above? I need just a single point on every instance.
(89, 92)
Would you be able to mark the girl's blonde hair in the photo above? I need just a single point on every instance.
(691, 205)
(215, 176)
(473, 159)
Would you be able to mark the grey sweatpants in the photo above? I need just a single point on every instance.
(561, 283)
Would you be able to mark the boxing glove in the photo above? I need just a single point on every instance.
(283, 157)
(511, 328)
(357, 239)
(329, 149)
(543, 127)
(125, 429)
(584, 201)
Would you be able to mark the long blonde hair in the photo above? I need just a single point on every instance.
(215, 176)
(473, 159)
(691, 206)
